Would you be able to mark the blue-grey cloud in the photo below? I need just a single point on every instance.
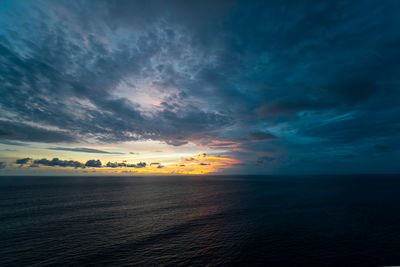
(76, 164)
(93, 163)
(257, 136)
(58, 162)
(124, 164)
(83, 149)
(23, 161)
(24, 132)
(3, 165)
(141, 165)
(13, 143)
(67, 163)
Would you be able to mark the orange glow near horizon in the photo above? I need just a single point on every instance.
(198, 164)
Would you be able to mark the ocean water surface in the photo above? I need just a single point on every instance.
(347, 220)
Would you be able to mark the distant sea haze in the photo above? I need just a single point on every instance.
(337, 220)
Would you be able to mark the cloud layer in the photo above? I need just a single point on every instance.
(282, 86)
(83, 149)
(56, 162)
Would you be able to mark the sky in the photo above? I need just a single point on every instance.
(199, 87)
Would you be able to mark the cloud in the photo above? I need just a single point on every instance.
(61, 91)
(23, 131)
(123, 164)
(291, 106)
(357, 127)
(265, 159)
(154, 163)
(112, 164)
(116, 165)
(23, 161)
(13, 143)
(93, 163)
(141, 165)
(385, 147)
(3, 164)
(176, 142)
(76, 164)
(257, 136)
(58, 162)
(83, 149)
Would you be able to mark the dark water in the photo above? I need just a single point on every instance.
(173, 221)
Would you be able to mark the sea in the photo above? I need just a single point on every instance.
(296, 220)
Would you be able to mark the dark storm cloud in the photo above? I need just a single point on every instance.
(279, 107)
(385, 147)
(360, 126)
(83, 149)
(261, 136)
(263, 160)
(73, 71)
